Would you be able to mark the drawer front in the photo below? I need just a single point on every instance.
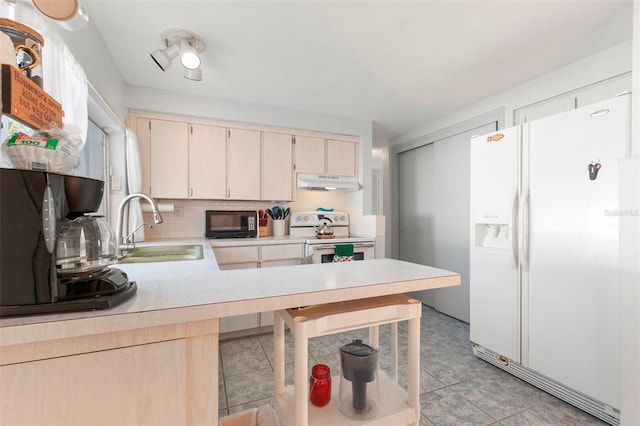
(282, 251)
(236, 254)
(241, 265)
(279, 262)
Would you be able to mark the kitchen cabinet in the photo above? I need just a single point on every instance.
(162, 371)
(143, 134)
(341, 158)
(243, 164)
(254, 256)
(309, 155)
(276, 182)
(169, 159)
(207, 162)
(181, 160)
(319, 156)
(262, 255)
(238, 257)
(280, 254)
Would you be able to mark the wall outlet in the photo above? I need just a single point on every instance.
(178, 211)
(116, 183)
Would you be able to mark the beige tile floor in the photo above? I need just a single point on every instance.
(456, 387)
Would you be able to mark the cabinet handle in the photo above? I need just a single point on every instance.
(190, 192)
(228, 193)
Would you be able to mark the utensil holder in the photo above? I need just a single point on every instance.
(278, 228)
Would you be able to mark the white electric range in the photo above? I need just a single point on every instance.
(321, 250)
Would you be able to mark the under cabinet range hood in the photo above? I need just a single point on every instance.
(325, 182)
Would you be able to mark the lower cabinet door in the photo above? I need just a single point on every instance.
(239, 322)
(266, 319)
(134, 385)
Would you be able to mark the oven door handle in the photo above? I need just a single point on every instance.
(333, 246)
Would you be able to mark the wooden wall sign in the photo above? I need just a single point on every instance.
(27, 102)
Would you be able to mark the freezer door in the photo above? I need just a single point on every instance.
(572, 251)
(494, 284)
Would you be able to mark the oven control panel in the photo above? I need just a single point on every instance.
(305, 219)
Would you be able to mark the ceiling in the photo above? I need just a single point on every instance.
(397, 63)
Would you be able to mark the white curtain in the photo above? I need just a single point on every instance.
(134, 184)
(63, 77)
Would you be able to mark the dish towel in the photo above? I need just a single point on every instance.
(343, 253)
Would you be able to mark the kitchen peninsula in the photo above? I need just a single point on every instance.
(154, 359)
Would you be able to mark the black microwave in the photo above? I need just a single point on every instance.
(231, 224)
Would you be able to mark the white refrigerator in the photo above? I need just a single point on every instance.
(544, 252)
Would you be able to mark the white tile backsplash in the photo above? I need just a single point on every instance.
(187, 219)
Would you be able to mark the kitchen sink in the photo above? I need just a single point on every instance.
(174, 253)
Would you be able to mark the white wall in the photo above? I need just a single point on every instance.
(89, 49)
(598, 67)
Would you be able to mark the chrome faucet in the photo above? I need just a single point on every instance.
(157, 217)
(131, 238)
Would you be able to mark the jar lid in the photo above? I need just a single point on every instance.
(357, 348)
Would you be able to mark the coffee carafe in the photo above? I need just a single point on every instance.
(53, 256)
(359, 386)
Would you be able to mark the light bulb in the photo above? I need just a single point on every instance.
(189, 57)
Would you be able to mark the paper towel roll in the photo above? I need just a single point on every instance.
(162, 207)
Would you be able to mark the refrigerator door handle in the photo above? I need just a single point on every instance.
(515, 207)
(524, 251)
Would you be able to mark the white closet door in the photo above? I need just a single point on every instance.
(417, 210)
(434, 214)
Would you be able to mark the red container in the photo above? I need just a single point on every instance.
(320, 385)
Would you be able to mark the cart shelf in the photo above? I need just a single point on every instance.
(397, 406)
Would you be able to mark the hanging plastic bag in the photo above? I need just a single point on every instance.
(50, 150)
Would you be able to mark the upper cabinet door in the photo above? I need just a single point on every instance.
(169, 159)
(207, 162)
(243, 164)
(341, 158)
(143, 134)
(309, 155)
(277, 167)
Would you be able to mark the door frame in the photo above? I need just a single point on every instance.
(493, 116)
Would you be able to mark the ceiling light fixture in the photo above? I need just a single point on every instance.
(188, 55)
(194, 74)
(183, 43)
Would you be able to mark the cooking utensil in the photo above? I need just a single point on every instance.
(325, 229)
(278, 213)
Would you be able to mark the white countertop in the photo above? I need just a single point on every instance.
(200, 287)
(225, 242)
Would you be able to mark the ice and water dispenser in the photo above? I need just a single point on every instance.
(491, 230)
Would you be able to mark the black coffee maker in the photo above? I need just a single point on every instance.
(54, 258)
